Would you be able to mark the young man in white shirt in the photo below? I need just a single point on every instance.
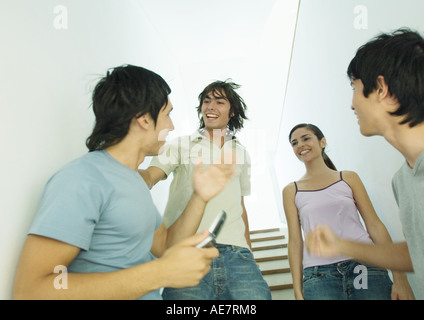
(234, 273)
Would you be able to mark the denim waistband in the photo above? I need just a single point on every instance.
(224, 247)
(340, 267)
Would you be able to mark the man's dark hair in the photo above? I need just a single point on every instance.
(399, 58)
(238, 106)
(124, 93)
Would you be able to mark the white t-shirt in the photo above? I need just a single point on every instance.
(180, 157)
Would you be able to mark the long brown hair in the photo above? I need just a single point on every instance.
(318, 133)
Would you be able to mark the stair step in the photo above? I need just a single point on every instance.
(264, 231)
(281, 237)
(277, 246)
(273, 265)
(283, 294)
(278, 278)
(274, 258)
(269, 247)
(257, 244)
(275, 271)
(281, 287)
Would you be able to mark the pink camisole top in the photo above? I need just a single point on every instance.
(333, 206)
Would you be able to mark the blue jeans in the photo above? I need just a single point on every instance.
(347, 280)
(234, 275)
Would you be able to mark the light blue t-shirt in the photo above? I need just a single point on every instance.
(103, 207)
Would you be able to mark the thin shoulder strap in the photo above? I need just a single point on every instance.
(341, 176)
(295, 185)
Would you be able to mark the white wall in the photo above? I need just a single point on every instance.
(249, 42)
(48, 74)
(328, 35)
(45, 84)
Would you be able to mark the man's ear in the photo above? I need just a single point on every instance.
(145, 121)
(383, 92)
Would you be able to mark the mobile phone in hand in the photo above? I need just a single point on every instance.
(214, 230)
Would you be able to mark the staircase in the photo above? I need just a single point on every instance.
(270, 251)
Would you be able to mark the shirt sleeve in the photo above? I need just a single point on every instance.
(69, 210)
(245, 175)
(169, 159)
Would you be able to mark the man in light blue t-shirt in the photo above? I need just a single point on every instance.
(97, 225)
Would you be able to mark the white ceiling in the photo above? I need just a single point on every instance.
(204, 30)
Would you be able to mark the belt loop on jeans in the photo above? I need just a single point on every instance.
(316, 271)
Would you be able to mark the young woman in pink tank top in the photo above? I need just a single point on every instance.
(326, 196)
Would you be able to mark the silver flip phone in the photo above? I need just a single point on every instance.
(214, 230)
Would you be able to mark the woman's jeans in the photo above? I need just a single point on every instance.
(347, 280)
(234, 275)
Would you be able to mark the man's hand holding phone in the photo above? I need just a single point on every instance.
(214, 230)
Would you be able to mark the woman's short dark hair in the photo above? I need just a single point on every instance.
(318, 133)
(399, 58)
(124, 93)
(238, 106)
